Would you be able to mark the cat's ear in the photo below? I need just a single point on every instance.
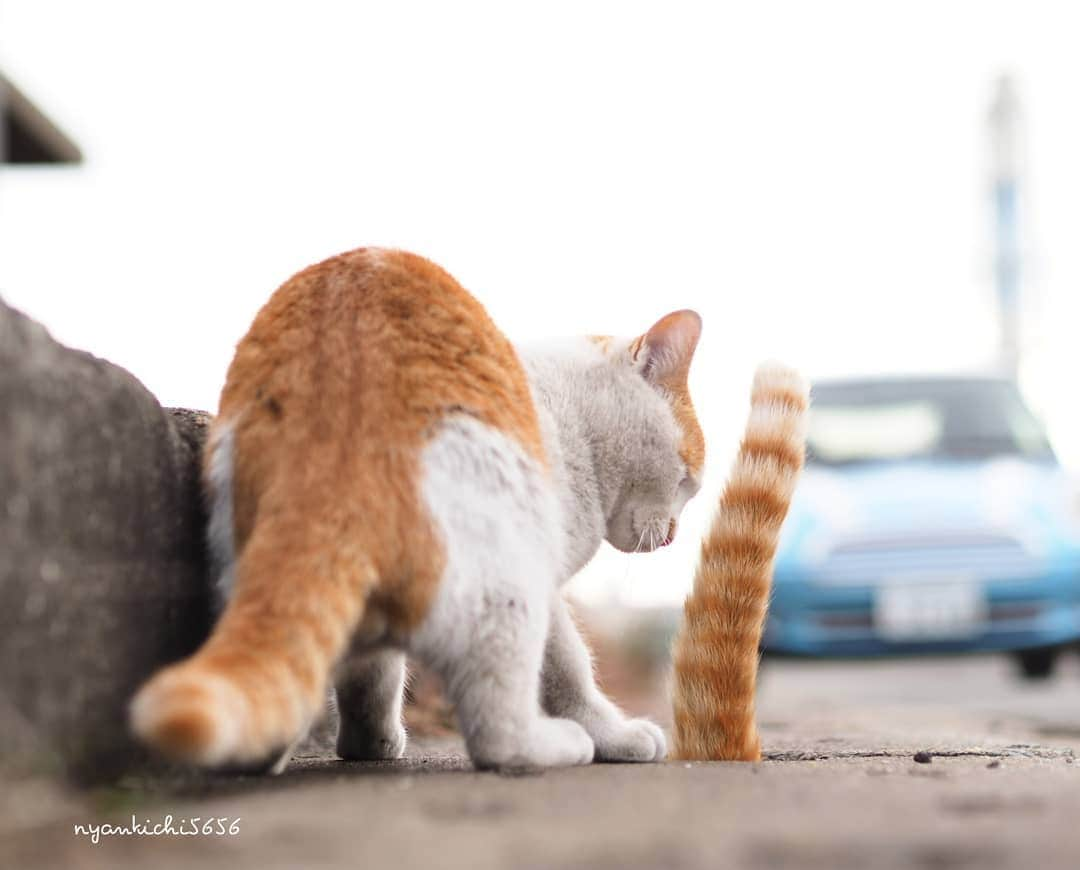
(663, 354)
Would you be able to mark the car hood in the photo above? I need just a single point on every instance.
(1033, 502)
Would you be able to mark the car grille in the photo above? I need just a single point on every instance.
(985, 556)
(853, 619)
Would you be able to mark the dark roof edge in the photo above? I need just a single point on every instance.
(18, 105)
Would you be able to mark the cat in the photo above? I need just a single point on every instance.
(387, 475)
(715, 653)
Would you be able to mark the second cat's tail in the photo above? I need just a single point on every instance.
(716, 651)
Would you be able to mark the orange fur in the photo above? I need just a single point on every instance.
(343, 377)
(675, 383)
(603, 342)
(716, 650)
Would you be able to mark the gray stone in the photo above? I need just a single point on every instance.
(103, 574)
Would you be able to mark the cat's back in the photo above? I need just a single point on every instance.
(377, 344)
(349, 373)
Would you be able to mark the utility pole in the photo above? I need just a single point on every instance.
(1004, 123)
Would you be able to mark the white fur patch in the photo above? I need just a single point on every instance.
(500, 524)
(775, 377)
(501, 529)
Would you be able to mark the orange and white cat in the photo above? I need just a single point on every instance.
(388, 475)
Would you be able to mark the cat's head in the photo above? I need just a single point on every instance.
(661, 442)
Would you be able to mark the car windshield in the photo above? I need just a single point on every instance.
(882, 421)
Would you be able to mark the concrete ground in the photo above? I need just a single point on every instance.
(840, 789)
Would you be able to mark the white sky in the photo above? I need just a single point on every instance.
(811, 177)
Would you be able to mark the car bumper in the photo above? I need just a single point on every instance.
(819, 620)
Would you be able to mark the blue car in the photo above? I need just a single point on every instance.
(932, 517)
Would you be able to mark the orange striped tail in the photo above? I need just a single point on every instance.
(254, 687)
(717, 649)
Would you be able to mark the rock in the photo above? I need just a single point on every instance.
(103, 574)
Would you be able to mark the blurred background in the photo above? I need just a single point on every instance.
(884, 197)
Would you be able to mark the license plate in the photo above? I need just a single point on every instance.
(916, 610)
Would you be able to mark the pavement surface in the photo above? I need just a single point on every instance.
(997, 786)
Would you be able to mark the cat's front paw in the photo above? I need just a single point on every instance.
(631, 740)
(361, 742)
(548, 743)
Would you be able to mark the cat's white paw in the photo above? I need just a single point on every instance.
(547, 743)
(358, 743)
(631, 740)
(567, 743)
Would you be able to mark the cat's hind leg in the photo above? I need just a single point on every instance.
(485, 630)
(490, 656)
(370, 686)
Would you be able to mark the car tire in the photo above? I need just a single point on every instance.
(1037, 663)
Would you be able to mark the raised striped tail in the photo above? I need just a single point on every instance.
(717, 649)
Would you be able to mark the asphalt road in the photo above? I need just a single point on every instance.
(840, 789)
